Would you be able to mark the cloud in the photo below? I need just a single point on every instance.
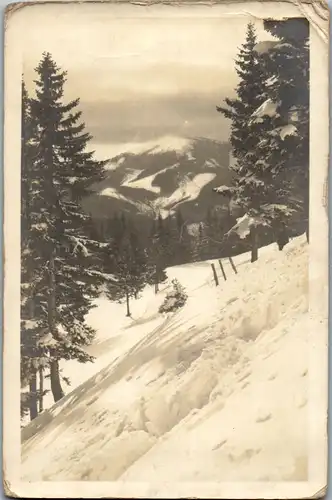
(140, 73)
(143, 118)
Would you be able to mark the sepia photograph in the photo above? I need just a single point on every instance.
(168, 280)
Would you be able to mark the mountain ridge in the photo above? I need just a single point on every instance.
(161, 178)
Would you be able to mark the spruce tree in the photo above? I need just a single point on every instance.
(59, 235)
(128, 262)
(285, 147)
(158, 253)
(248, 186)
(32, 355)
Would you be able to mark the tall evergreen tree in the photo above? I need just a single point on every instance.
(59, 234)
(265, 163)
(285, 147)
(248, 186)
(32, 356)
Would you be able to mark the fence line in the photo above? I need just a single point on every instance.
(222, 269)
(215, 274)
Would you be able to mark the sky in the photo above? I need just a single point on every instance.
(141, 73)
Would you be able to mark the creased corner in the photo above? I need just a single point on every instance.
(8, 489)
(320, 493)
(12, 8)
(318, 14)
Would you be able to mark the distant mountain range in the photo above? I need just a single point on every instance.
(172, 174)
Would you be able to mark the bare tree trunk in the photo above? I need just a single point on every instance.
(282, 236)
(54, 366)
(127, 302)
(156, 284)
(55, 381)
(33, 396)
(41, 389)
(254, 243)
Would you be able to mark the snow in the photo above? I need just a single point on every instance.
(39, 226)
(287, 130)
(188, 190)
(243, 225)
(268, 108)
(265, 46)
(172, 143)
(271, 81)
(224, 190)
(131, 176)
(146, 182)
(214, 392)
(212, 163)
(161, 144)
(113, 193)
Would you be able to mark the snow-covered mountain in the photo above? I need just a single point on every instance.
(214, 392)
(159, 177)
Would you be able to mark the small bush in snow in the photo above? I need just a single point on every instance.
(174, 299)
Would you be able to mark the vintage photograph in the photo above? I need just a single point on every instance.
(165, 236)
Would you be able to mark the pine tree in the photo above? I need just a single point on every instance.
(263, 182)
(129, 264)
(248, 187)
(59, 241)
(158, 253)
(286, 143)
(32, 355)
(239, 110)
(182, 244)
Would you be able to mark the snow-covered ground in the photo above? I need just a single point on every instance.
(214, 392)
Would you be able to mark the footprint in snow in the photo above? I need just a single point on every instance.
(219, 445)
(263, 418)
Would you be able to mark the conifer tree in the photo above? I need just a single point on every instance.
(199, 244)
(212, 234)
(248, 186)
(32, 356)
(59, 234)
(182, 245)
(129, 264)
(261, 184)
(158, 253)
(285, 147)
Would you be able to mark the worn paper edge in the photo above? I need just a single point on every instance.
(317, 13)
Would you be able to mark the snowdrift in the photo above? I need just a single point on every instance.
(214, 392)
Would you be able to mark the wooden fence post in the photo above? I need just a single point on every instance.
(222, 269)
(232, 264)
(215, 274)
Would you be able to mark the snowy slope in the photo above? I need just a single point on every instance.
(210, 393)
